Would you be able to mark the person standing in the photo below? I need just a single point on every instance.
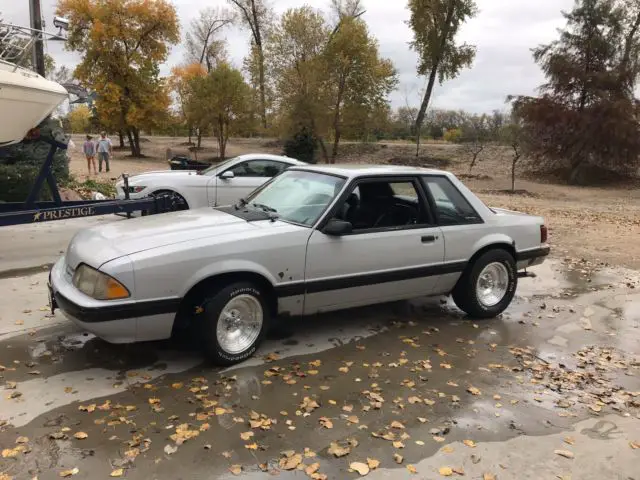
(89, 149)
(104, 151)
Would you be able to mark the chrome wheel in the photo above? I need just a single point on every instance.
(239, 324)
(492, 285)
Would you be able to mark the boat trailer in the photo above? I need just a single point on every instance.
(33, 211)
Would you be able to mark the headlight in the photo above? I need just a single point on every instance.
(98, 285)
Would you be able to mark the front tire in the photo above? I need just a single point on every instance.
(234, 322)
(488, 286)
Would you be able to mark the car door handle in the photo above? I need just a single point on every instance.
(429, 238)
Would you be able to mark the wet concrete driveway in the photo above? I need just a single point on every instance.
(409, 390)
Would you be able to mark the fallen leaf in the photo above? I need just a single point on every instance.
(488, 476)
(398, 425)
(246, 435)
(117, 473)
(422, 420)
(154, 401)
(347, 408)
(251, 446)
(325, 422)
(177, 386)
(414, 400)
(373, 463)
(170, 449)
(564, 453)
(412, 469)
(19, 322)
(20, 440)
(69, 473)
(361, 468)
(474, 391)
(634, 445)
(445, 471)
(439, 439)
(80, 435)
(290, 463)
(569, 440)
(595, 408)
(469, 443)
(398, 458)
(337, 450)
(311, 469)
(235, 469)
(458, 471)
(352, 419)
(227, 454)
(398, 444)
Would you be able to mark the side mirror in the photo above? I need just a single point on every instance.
(227, 175)
(336, 228)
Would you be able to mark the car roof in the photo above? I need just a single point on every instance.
(268, 156)
(364, 170)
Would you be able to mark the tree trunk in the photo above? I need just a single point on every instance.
(190, 132)
(513, 173)
(263, 97)
(121, 138)
(134, 138)
(323, 147)
(199, 138)
(424, 105)
(132, 145)
(336, 121)
(222, 144)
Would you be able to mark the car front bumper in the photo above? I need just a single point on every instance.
(115, 322)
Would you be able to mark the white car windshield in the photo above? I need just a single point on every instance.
(298, 196)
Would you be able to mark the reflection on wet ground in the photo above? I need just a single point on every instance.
(397, 384)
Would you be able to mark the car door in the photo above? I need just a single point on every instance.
(247, 176)
(391, 254)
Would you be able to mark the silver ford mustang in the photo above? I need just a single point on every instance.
(313, 239)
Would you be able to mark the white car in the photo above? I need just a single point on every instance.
(314, 239)
(222, 184)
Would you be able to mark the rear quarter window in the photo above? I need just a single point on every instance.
(452, 208)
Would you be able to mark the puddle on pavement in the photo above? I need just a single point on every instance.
(420, 357)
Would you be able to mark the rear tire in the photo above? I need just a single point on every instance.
(233, 323)
(487, 286)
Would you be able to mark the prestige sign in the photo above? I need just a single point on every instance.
(61, 214)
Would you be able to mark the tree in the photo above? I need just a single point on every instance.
(254, 15)
(587, 113)
(357, 78)
(512, 134)
(220, 100)
(80, 119)
(297, 65)
(179, 82)
(122, 43)
(435, 24)
(201, 43)
(475, 135)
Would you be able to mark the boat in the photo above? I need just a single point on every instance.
(26, 98)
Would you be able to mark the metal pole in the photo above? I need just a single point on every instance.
(38, 47)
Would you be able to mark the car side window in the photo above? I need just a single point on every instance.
(258, 168)
(373, 205)
(451, 206)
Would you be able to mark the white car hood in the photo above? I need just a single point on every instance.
(98, 245)
(164, 173)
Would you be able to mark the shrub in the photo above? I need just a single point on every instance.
(302, 146)
(453, 135)
(21, 163)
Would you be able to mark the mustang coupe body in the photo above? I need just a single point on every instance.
(221, 184)
(313, 239)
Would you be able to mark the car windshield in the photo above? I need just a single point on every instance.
(298, 196)
(210, 170)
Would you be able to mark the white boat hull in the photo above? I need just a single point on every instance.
(25, 100)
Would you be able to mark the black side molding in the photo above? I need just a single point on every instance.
(534, 253)
(116, 312)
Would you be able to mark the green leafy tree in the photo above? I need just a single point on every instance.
(219, 100)
(80, 119)
(435, 24)
(357, 78)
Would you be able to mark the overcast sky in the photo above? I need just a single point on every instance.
(504, 31)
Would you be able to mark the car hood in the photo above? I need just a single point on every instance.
(98, 245)
(164, 173)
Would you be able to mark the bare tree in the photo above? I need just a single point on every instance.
(202, 45)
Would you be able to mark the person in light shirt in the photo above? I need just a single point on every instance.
(104, 151)
(89, 149)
